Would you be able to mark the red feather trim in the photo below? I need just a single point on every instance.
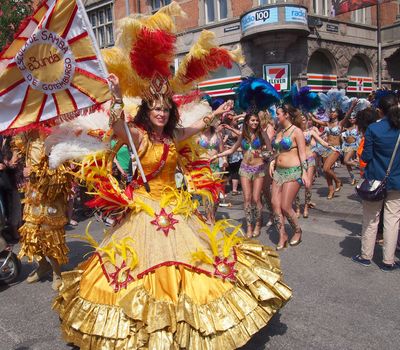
(153, 52)
(199, 68)
(181, 100)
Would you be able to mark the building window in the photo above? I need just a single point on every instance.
(267, 2)
(102, 23)
(216, 10)
(359, 16)
(322, 7)
(157, 4)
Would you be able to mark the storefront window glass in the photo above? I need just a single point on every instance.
(358, 67)
(222, 9)
(320, 64)
(210, 11)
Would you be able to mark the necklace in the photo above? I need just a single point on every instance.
(161, 139)
(283, 131)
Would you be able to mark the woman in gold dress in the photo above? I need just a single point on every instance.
(163, 278)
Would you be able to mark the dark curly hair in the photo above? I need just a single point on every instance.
(365, 118)
(394, 116)
(143, 121)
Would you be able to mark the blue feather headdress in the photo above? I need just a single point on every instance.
(255, 94)
(333, 100)
(302, 99)
(214, 104)
(362, 104)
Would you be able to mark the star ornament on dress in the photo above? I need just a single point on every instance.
(224, 268)
(121, 277)
(164, 222)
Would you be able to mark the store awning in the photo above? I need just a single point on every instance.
(321, 82)
(220, 87)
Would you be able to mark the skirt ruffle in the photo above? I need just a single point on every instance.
(140, 318)
(43, 240)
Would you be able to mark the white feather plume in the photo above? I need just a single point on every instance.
(70, 141)
(194, 111)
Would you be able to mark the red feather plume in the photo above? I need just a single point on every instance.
(153, 52)
(199, 68)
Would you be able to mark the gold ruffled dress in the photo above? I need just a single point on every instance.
(45, 201)
(163, 279)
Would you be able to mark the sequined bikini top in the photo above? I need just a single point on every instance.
(253, 145)
(308, 138)
(351, 133)
(208, 144)
(285, 144)
(334, 131)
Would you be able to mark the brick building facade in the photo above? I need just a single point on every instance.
(301, 33)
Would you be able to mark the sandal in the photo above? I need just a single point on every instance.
(236, 193)
(73, 223)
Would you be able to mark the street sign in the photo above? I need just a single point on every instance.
(277, 75)
(333, 28)
(259, 17)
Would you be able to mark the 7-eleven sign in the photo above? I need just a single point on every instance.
(278, 75)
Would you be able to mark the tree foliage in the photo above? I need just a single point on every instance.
(12, 12)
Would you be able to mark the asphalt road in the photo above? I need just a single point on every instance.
(336, 304)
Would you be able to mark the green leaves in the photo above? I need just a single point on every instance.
(12, 13)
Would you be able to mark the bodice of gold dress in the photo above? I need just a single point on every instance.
(156, 158)
(164, 279)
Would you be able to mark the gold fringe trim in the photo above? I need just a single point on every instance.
(42, 240)
(142, 322)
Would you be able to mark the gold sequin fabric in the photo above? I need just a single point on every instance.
(46, 193)
(172, 307)
(166, 299)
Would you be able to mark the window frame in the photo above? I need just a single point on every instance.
(359, 16)
(95, 12)
(162, 4)
(217, 11)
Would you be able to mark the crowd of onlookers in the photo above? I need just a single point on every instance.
(372, 158)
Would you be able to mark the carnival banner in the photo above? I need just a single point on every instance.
(52, 69)
(343, 6)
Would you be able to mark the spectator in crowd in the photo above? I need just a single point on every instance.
(10, 198)
(379, 144)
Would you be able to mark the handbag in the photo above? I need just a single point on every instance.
(375, 190)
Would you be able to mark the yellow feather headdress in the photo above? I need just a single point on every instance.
(145, 51)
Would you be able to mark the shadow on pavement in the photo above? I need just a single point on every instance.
(79, 251)
(352, 227)
(258, 341)
(351, 247)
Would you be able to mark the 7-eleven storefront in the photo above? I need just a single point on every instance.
(220, 87)
(355, 85)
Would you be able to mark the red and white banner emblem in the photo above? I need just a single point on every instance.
(53, 68)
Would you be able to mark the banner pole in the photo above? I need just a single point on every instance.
(379, 41)
(103, 66)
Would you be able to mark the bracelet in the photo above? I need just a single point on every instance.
(208, 121)
(115, 113)
(304, 165)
